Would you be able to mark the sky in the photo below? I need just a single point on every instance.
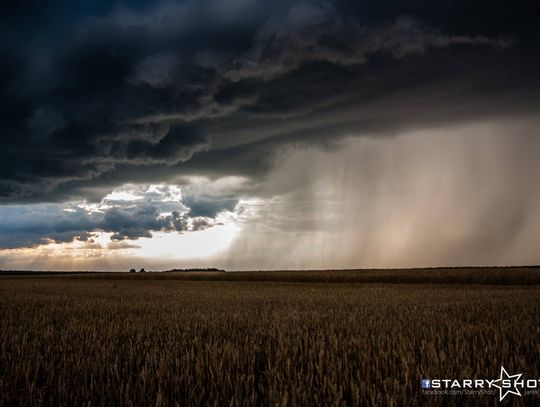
(248, 134)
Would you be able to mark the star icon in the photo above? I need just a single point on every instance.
(507, 390)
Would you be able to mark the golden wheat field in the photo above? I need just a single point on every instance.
(245, 339)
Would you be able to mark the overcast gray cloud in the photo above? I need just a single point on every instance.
(309, 34)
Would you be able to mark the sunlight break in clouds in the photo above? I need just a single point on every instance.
(113, 232)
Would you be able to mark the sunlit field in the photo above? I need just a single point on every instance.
(272, 338)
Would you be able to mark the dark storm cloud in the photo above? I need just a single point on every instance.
(133, 223)
(208, 207)
(93, 96)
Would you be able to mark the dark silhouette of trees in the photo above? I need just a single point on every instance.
(195, 269)
(132, 271)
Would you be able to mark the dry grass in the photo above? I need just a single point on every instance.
(134, 340)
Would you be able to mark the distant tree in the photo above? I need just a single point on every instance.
(132, 271)
(142, 270)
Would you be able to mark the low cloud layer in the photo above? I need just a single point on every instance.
(130, 213)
